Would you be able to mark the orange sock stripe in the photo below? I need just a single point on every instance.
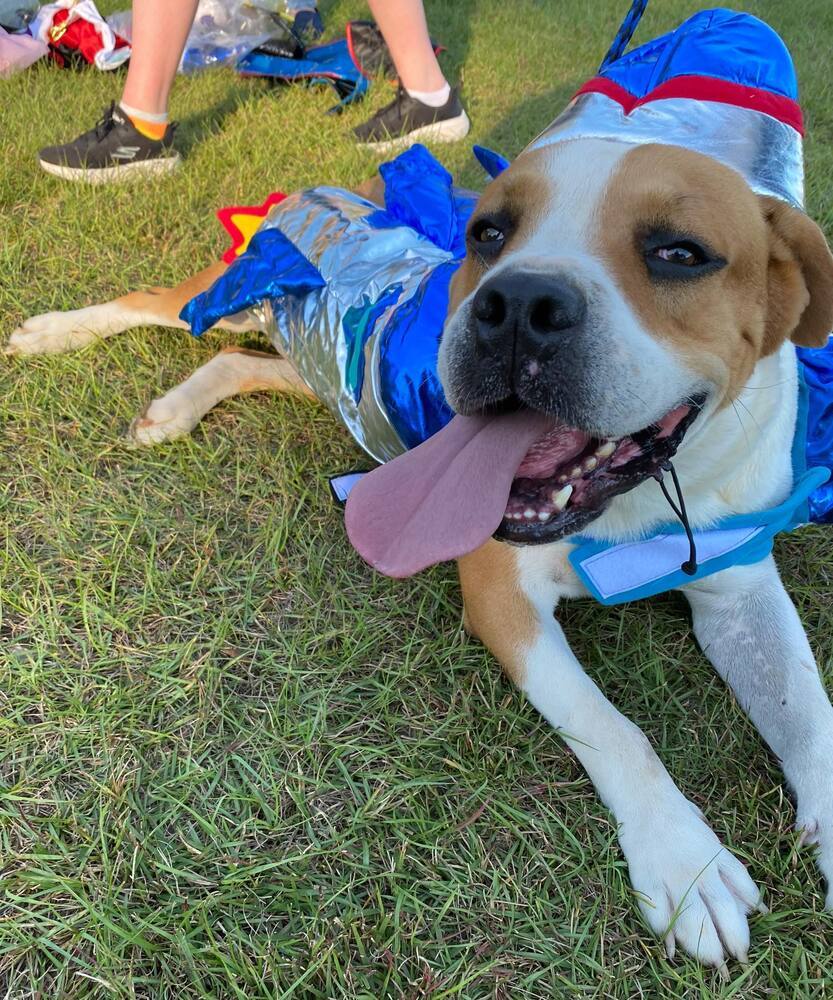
(152, 130)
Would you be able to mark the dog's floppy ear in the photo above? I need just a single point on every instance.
(800, 278)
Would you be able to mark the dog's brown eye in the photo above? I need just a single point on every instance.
(683, 255)
(672, 256)
(487, 232)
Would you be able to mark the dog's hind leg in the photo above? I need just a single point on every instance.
(230, 373)
(56, 332)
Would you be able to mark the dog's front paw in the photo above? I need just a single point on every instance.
(814, 820)
(818, 833)
(691, 890)
(56, 332)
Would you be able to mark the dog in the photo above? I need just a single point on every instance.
(617, 301)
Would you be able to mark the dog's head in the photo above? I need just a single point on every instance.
(628, 291)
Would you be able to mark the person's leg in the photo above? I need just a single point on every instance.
(133, 139)
(160, 30)
(403, 24)
(426, 107)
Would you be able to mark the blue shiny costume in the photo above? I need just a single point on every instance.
(356, 296)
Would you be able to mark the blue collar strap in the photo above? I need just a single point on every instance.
(626, 571)
(616, 572)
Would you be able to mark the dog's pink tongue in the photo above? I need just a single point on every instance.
(444, 498)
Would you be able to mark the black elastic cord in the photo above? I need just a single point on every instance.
(690, 565)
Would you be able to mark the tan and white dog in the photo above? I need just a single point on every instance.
(611, 283)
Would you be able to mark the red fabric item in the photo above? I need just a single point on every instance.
(79, 35)
(703, 88)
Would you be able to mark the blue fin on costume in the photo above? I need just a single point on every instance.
(271, 267)
(358, 326)
(493, 163)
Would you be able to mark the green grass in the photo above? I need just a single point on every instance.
(235, 763)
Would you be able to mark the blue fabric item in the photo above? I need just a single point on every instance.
(329, 64)
(411, 389)
(719, 43)
(742, 539)
(752, 545)
(817, 367)
(493, 163)
(270, 267)
(419, 193)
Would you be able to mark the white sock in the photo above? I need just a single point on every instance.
(144, 116)
(433, 98)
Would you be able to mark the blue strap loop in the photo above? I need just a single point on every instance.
(625, 33)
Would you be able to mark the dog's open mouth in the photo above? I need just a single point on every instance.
(568, 477)
(517, 474)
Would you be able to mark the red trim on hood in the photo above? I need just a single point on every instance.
(703, 88)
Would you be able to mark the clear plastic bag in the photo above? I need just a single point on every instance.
(121, 24)
(225, 30)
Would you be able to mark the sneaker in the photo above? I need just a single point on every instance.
(406, 120)
(113, 151)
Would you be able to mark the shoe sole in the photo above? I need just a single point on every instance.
(450, 130)
(114, 175)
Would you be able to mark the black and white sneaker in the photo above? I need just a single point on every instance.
(406, 120)
(112, 151)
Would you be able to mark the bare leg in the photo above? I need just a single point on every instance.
(402, 22)
(232, 372)
(691, 890)
(749, 629)
(56, 332)
(160, 30)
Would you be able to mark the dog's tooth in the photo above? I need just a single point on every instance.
(544, 515)
(576, 472)
(562, 479)
(590, 464)
(559, 499)
(529, 514)
(606, 450)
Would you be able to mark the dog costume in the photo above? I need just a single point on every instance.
(355, 296)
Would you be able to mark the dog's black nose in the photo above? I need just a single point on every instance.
(525, 304)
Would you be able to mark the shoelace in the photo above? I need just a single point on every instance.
(396, 103)
(106, 123)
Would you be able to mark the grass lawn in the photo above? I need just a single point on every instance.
(235, 763)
